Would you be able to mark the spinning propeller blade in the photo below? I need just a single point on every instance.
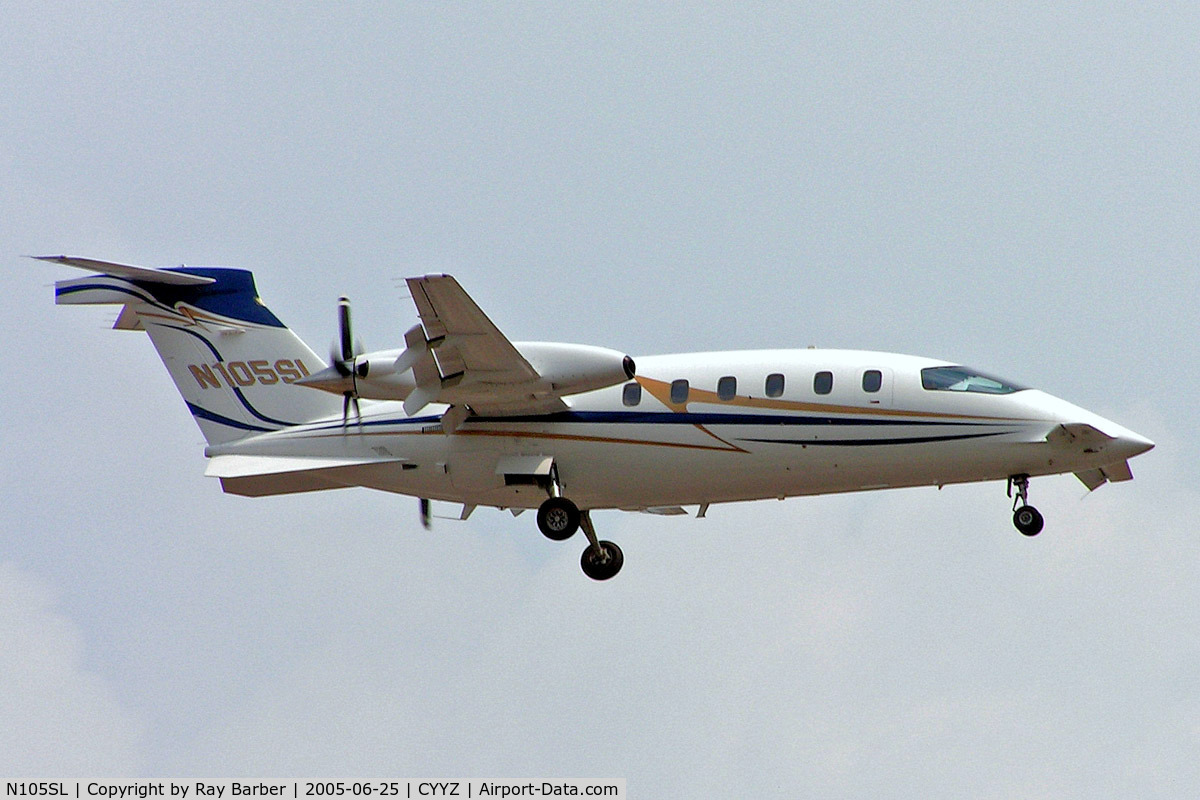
(344, 335)
(342, 355)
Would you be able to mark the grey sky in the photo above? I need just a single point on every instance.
(1012, 187)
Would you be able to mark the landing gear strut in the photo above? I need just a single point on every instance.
(558, 518)
(1027, 519)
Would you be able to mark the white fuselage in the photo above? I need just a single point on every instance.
(841, 421)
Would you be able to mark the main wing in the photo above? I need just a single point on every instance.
(458, 357)
(463, 359)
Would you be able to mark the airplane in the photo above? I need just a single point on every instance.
(461, 414)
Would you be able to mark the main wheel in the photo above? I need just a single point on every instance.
(1028, 520)
(558, 518)
(602, 565)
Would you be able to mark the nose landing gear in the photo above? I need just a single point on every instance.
(1027, 519)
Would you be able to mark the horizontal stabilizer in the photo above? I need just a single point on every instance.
(142, 274)
(258, 476)
(240, 466)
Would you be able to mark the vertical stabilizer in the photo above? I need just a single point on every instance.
(233, 361)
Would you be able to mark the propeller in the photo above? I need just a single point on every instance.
(343, 353)
(344, 370)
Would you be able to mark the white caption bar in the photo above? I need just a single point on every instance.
(315, 790)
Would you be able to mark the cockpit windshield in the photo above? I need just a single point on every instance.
(965, 379)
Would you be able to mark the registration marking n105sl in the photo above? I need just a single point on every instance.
(239, 374)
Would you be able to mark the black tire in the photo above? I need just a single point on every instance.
(558, 518)
(1028, 520)
(602, 565)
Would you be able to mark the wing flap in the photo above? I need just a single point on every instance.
(666, 511)
(473, 363)
(524, 465)
(468, 339)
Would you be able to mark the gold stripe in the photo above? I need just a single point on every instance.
(605, 439)
(661, 390)
(162, 316)
(559, 436)
(719, 439)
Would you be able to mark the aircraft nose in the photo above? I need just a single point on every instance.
(1131, 444)
(1125, 443)
(1120, 441)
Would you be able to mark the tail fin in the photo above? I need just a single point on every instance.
(233, 361)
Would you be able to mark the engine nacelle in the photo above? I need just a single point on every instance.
(376, 378)
(564, 369)
(568, 369)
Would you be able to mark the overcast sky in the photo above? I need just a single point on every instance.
(1004, 185)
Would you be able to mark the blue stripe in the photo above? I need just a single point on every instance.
(204, 413)
(670, 418)
(233, 295)
(64, 291)
(427, 420)
(676, 418)
(237, 392)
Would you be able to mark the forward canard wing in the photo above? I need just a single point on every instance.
(1085, 438)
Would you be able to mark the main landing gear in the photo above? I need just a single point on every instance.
(558, 518)
(1027, 519)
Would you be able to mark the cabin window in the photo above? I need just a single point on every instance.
(872, 381)
(679, 391)
(774, 385)
(823, 382)
(965, 379)
(632, 395)
(727, 388)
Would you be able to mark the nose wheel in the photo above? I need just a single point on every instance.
(1027, 519)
